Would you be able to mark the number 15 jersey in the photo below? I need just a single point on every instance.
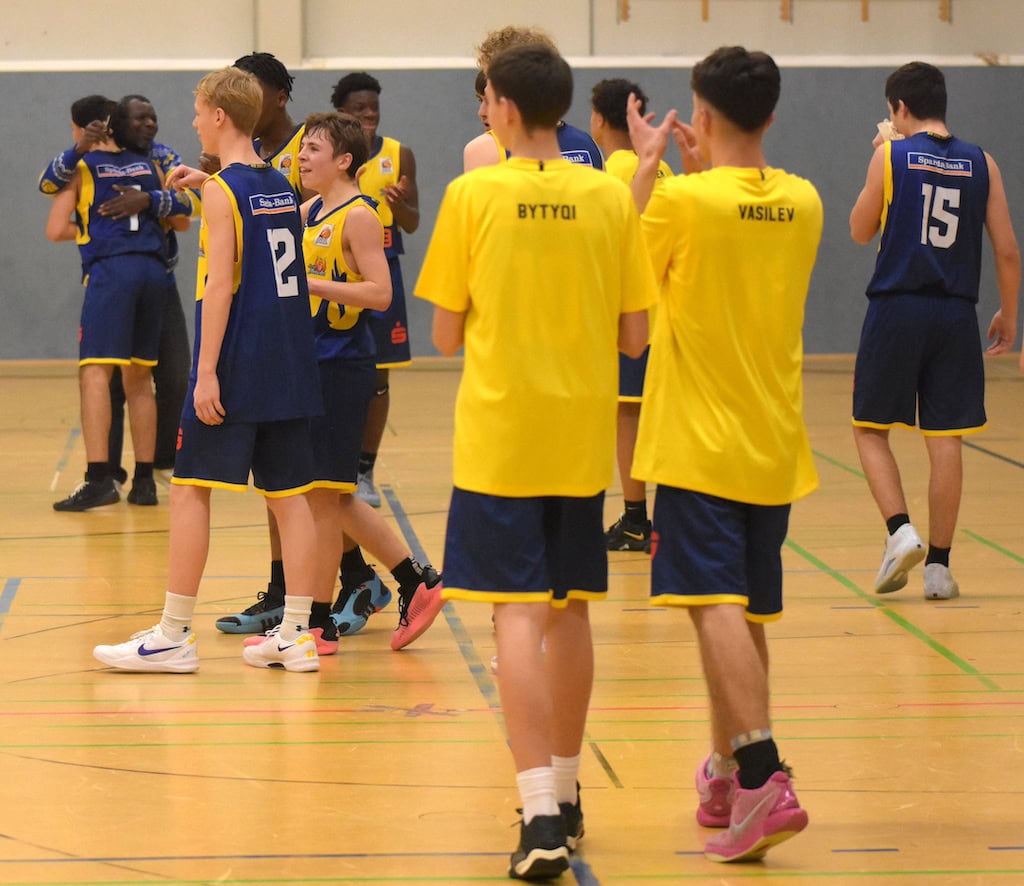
(933, 213)
(267, 368)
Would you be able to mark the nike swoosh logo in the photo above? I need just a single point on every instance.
(144, 651)
(638, 536)
(738, 828)
(281, 648)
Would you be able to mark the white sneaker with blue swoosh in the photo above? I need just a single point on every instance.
(150, 650)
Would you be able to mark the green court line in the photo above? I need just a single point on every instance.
(904, 623)
(991, 544)
(837, 464)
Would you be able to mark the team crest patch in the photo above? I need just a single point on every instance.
(387, 166)
(286, 162)
(324, 235)
(317, 268)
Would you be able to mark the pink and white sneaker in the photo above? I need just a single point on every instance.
(760, 818)
(323, 647)
(715, 796)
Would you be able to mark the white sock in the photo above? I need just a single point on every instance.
(176, 621)
(567, 772)
(537, 791)
(296, 616)
(720, 766)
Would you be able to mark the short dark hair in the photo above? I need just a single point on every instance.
(480, 84)
(609, 99)
(134, 97)
(921, 87)
(267, 69)
(742, 85)
(92, 107)
(345, 133)
(358, 81)
(537, 79)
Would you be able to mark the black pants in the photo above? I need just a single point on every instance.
(170, 376)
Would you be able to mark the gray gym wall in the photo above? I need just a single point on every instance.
(824, 124)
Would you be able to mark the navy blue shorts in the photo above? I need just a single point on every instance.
(347, 387)
(548, 549)
(278, 453)
(391, 327)
(707, 550)
(920, 361)
(631, 377)
(123, 310)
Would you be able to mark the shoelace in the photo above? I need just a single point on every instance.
(260, 605)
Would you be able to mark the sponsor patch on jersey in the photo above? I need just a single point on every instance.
(581, 157)
(942, 165)
(317, 268)
(112, 170)
(387, 166)
(269, 204)
(324, 235)
(285, 163)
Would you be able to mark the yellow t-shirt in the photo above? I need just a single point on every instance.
(733, 250)
(542, 257)
(623, 165)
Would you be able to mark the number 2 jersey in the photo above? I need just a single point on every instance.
(267, 368)
(933, 214)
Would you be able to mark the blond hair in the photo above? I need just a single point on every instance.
(504, 38)
(238, 93)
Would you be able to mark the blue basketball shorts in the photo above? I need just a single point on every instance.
(707, 550)
(347, 387)
(391, 327)
(547, 549)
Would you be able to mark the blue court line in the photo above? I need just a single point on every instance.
(465, 643)
(69, 447)
(982, 449)
(877, 849)
(7, 598)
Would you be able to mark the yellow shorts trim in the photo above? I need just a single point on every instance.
(680, 600)
(104, 361)
(286, 493)
(338, 486)
(450, 593)
(398, 365)
(209, 484)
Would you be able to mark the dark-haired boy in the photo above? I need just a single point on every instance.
(920, 358)
(125, 294)
(537, 237)
(389, 177)
(608, 98)
(722, 431)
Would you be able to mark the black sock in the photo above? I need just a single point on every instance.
(97, 471)
(366, 462)
(277, 573)
(757, 762)
(408, 574)
(896, 521)
(354, 569)
(636, 511)
(143, 470)
(937, 555)
(319, 615)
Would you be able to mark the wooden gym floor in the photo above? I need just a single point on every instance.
(903, 719)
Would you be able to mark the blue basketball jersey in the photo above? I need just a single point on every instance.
(267, 368)
(102, 236)
(342, 331)
(578, 147)
(933, 215)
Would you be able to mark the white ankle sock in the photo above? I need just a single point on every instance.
(720, 766)
(176, 621)
(537, 791)
(296, 616)
(567, 772)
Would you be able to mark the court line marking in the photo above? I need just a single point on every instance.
(904, 623)
(7, 598)
(65, 456)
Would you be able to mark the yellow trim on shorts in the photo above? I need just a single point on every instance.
(631, 399)
(104, 361)
(286, 493)
(688, 600)
(394, 365)
(959, 432)
(955, 432)
(450, 593)
(209, 484)
(337, 485)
